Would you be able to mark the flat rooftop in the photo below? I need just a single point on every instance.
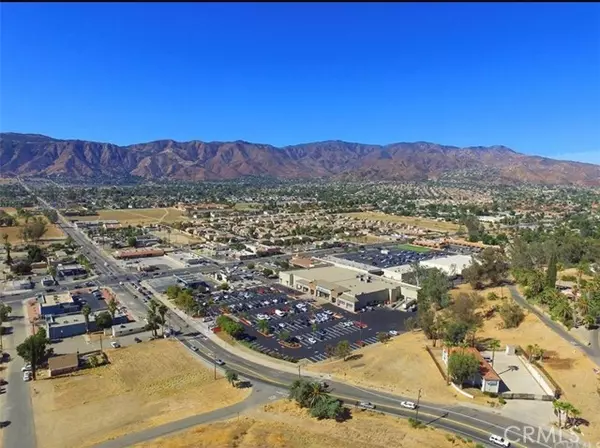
(57, 299)
(66, 320)
(453, 264)
(343, 280)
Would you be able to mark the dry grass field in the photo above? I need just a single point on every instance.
(282, 424)
(53, 234)
(243, 206)
(137, 216)
(145, 385)
(429, 224)
(401, 366)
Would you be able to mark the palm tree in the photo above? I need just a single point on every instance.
(112, 307)
(231, 376)
(162, 311)
(263, 326)
(315, 393)
(529, 352)
(494, 345)
(86, 311)
(558, 408)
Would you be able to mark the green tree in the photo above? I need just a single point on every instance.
(52, 271)
(512, 314)
(131, 241)
(456, 332)
(343, 350)
(86, 311)
(34, 350)
(5, 311)
(327, 407)
(162, 312)
(284, 335)
(104, 320)
(112, 307)
(224, 286)
(551, 272)
(263, 326)
(434, 289)
(7, 248)
(494, 345)
(462, 366)
(231, 376)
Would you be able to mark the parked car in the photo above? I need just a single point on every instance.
(311, 340)
(393, 333)
(137, 340)
(26, 368)
(408, 405)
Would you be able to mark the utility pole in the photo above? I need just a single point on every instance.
(418, 401)
(299, 376)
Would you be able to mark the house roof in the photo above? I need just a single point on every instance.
(70, 360)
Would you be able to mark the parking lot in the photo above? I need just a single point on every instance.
(389, 257)
(312, 327)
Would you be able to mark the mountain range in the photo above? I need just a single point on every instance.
(33, 154)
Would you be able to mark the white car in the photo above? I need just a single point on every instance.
(27, 376)
(365, 405)
(500, 441)
(408, 405)
(393, 333)
(115, 344)
(312, 341)
(26, 367)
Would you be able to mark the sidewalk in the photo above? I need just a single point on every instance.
(236, 351)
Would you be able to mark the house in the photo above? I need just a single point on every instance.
(63, 364)
(486, 378)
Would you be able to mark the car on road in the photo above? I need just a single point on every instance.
(393, 333)
(194, 348)
(500, 441)
(408, 405)
(27, 376)
(137, 340)
(26, 368)
(89, 284)
(115, 344)
(365, 405)
(219, 362)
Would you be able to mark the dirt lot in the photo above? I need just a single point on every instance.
(53, 233)
(438, 226)
(145, 385)
(401, 366)
(283, 425)
(137, 216)
(176, 237)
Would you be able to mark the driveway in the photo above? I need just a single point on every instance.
(593, 351)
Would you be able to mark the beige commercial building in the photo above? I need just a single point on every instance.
(345, 288)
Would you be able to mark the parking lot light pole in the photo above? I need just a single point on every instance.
(418, 401)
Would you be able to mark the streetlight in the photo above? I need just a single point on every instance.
(418, 401)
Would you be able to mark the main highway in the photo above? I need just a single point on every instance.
(464, 421)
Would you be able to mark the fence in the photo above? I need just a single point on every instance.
(437, 364)
(514, 396)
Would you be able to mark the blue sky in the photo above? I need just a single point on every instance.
(523, 75)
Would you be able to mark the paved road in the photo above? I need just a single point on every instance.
(17, 409)
(592, 351)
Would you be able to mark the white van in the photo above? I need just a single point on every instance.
(280, 313)
(497, 440)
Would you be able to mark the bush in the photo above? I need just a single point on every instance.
(512, 315)
(568, 278)
(501, 400)
(414, 423)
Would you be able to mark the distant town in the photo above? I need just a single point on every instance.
(392, 297)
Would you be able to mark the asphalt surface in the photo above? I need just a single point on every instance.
(473, 424)
(17, 410)
(592, 351)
